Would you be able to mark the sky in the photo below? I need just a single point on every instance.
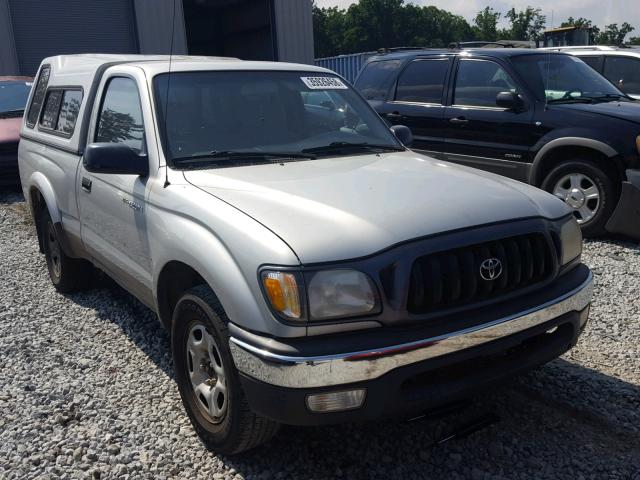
(601, 12)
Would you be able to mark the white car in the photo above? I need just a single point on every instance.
(621, 66)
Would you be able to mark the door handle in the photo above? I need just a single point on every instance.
(86, 184)
(394, 116)
(458, 121)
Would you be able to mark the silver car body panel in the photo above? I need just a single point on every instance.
(348, 207)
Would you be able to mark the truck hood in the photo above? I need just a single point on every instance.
(625, 110)
(349, 207)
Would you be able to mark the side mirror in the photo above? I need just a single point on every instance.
(509, 100)
(115, 158)
(403, 134)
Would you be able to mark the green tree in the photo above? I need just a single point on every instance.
(614, 34)
(328, 31)
(526, 24)
(485, 24)
(634, 41)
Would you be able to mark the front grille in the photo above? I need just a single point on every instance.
(453, 278)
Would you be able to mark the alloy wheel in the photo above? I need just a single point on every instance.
(581, 193)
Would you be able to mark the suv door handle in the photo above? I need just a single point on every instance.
(394, 116)
(86, 184)
(458, 120)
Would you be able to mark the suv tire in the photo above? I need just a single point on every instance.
(67, 274)
(207, 378)
(581, 177)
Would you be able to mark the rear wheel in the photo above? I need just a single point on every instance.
(67, 274)
(587, 189)
(208, 381)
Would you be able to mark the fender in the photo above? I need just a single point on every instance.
(567, 142)
(40, 182)
(197, 246)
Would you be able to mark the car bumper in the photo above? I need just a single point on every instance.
(416, 375)
(625, 219)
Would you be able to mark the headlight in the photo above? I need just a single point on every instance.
(282, 291)
(571, 240)
(341, 293)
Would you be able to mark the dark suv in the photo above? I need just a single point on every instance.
(545, 118)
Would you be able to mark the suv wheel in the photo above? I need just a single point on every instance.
(587, 189)
(67, 274)
(207, 378)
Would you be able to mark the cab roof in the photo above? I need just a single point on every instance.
(81, 68)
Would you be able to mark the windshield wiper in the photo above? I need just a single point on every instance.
(237, 157)
(337, 146)
(572, 100)
(611, 96)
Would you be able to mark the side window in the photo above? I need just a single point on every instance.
(594, 61)
(624, 73)
(60, 112)
(478, 83)
(69, 110)
(120, 119)
(376, 79)
(423, 81)
(38, 96)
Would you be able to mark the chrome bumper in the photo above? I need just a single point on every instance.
(323, 371)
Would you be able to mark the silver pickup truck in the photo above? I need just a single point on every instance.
(309, 267)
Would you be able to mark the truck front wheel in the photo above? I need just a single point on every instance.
(67, 274)
(208, 381)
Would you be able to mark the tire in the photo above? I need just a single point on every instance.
(584, 174)
(67, 274)
(230, 426)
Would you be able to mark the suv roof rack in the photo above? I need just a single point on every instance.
(491, 44)
(399, 49)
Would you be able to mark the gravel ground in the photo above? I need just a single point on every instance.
(86, 390)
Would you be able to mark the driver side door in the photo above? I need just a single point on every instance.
(478, 132)
(113, 206)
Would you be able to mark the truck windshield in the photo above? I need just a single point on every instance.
(13, 95)
(564, 78)
(223, 117)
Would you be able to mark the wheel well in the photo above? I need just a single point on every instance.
(613, 166)
(37, 204)
(175, 279)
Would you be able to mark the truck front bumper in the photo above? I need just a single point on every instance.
(413, 376)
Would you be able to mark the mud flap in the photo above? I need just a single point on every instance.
(625, 219)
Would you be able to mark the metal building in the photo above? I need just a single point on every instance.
(249, 29)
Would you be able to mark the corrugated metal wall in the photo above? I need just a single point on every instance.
(153, 22)
(346, 65)
(8, 56)
(294, 30)
(41, 29)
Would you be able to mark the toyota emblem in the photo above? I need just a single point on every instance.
(490, 269)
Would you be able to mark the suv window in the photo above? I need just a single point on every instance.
(120, 119)
(376, 79)
(423, 81)
(594, 61)
(61, 109)
(478, 83)
(38, 96)
(624, 73)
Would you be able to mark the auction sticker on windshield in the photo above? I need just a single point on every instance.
(324, 83)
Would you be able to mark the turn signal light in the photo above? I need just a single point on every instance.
(336, 401)
(282, 291)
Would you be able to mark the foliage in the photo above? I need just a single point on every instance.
(368, 25)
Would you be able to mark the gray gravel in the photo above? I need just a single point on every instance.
(86, 390)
